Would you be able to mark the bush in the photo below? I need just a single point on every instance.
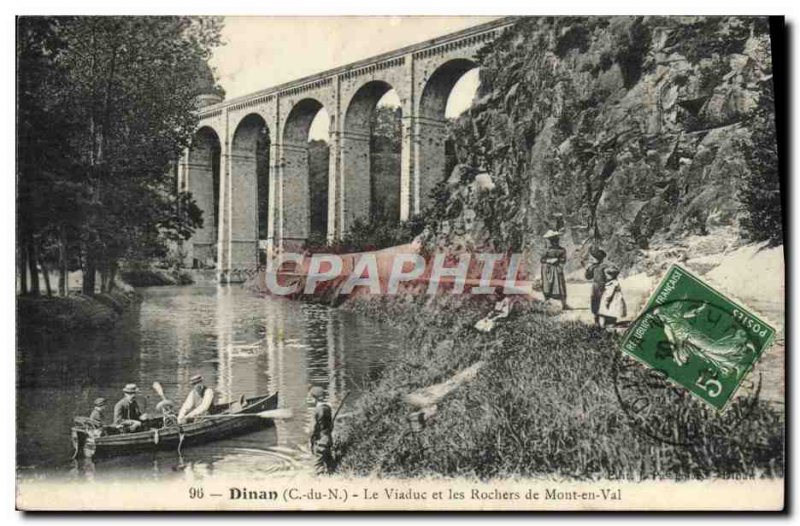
(139, 276)
(51, 316)
(378, 232)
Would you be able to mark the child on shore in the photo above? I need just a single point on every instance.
(612, 303)
(596, 272)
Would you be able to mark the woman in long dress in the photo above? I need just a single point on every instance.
(554, 286)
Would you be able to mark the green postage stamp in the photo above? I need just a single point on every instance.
(699, 338)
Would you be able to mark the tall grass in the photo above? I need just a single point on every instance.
(543, 405)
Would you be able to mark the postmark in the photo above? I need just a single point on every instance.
(659, 409)
(697, 338)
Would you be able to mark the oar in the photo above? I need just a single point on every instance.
(283, 413)
(181, 436)
(160, 390)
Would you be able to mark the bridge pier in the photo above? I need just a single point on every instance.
(295, 219)
(224, 223)
(422, 162)
(243, 210)
(274, 215)
(335, 186)
(235, 241)
(355, 178)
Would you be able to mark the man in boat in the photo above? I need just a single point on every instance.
(322, 434)
(126, 412)
(97, 413)
(198, 402)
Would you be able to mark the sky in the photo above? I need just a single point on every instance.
(260, 52)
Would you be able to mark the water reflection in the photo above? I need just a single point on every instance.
(241, 344)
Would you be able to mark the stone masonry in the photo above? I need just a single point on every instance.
(422, 75)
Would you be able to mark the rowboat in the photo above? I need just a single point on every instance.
(91, 441)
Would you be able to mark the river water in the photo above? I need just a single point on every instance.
(240, 343)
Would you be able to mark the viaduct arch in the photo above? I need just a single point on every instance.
(422, 75)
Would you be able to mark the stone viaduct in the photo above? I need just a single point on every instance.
(221, 165)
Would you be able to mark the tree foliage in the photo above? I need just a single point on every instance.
(386, 131)
(386, 137)
(106, 105)
(760, 192)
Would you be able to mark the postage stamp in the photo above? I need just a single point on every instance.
(701, 339)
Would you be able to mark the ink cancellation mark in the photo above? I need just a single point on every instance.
(697, 337)
(662, 410)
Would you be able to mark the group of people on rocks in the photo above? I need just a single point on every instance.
(607, 302)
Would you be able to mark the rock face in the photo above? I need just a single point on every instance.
(622, 131)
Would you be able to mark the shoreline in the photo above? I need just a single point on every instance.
(62, 316)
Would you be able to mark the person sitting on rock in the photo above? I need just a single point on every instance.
(501, 310)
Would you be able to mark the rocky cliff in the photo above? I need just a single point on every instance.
(627, 132)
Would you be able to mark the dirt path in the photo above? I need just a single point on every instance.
(771, 367)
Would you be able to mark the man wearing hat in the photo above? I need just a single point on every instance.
(97, 413)
(554, 285)
(322, 434)
(126, 411)
(198, 402)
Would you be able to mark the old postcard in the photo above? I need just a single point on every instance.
(424, 263)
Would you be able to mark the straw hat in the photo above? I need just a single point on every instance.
(99, 402)
(196, 379)
(164, 404)
(551, 233)
(130, 388)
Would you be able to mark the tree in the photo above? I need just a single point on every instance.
(760, 190)
(49, 193)
(126, 87)
(386, 129)
(385, 144)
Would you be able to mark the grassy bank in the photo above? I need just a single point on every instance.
(151, 277)
(544, 404)
(61, 315)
